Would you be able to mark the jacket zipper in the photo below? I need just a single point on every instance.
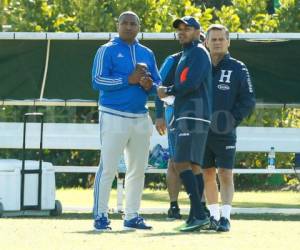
(132, 53)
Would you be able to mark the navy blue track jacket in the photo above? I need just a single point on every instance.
(193, 86)
(234, 97)
(167, 73)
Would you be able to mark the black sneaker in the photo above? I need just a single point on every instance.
(214, 224)
(224, 225)
(195, 225)
(174, 213)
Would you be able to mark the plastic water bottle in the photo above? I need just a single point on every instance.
(271, 159)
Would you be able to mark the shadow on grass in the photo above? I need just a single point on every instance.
(92, 232)
(266, 217)
(263, 204)
(148, 233)
(176, 232)
(162, 217)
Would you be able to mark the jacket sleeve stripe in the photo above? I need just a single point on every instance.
(99, 79)
(100, 56)
(109, 79)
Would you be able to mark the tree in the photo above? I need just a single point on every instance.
(39, 15)
(272, 5)
(213, 3)
(289, 16)
(95, 15)
(247, 16)
(155, 15)
(3, 5)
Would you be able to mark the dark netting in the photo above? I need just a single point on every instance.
(272, 65)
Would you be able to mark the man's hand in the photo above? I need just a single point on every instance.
(160, 126)
(161, 92)
(139, 72)
(146, 82)
(135, 77)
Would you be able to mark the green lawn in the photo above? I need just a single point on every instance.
(84, 197)
(74, 230)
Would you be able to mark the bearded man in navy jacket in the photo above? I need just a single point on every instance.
(192, 111)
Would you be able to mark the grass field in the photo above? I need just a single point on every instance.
(74, 230)
(276, 199)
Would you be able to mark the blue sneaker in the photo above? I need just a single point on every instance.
(224, 225)
(102, 224)
(136, 223)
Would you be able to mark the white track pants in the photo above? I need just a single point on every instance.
(118, 135)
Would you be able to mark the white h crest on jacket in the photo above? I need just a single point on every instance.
(225, 74)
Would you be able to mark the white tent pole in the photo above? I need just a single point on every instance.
(45, 70)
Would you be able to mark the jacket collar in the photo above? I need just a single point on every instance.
(121, 41)
(191, 44)
(224, 60)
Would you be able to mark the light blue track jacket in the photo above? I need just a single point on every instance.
(113, 63)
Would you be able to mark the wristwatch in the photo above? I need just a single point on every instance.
(169, 90)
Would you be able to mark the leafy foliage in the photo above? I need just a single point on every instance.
(155, 15)
(38, 15)
(289, 16)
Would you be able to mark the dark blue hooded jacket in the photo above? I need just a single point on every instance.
(193, 86)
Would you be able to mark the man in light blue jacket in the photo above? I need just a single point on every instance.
(124, 73)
